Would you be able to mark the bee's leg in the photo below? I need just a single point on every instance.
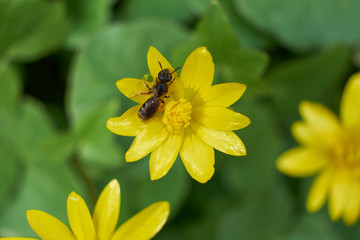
(167, 96)
(141, 93)
(162, 106)
(146, 85)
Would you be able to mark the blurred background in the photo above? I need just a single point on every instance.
(60, 60)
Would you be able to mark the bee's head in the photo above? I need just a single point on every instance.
(165, 75)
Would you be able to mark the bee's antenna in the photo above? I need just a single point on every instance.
(160, 65)
(176, 70)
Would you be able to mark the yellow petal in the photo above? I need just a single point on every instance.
(350, 110)
(303, 134)
(224, 94)
(132, 86)
(197, 73)
(153, 58)
(107, 210)
(197, 156)
(80, 218)
(224, 141)
(318, 191)
(128, 124)
(352, 208)
(48, 227)
(145, 224)
(338, 193)
(301, 162)
(323, 125)
(220, 118)
(163, 157)
(150, 138)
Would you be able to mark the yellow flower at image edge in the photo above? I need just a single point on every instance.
(331, 148)
(193, 121)
(101, 225)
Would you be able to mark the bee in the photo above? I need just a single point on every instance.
(158, 92)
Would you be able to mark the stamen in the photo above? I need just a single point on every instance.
(177, 115)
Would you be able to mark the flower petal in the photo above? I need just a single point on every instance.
(153, 58)
(350, 110)
(352, 208)
(300, 162)
(197, 156)
(322, 124)
(107, 210)
(128, 124)
(318, 191)
(339, 190)
(145, 224)
(163, 157)
(220, 118)
(80, 218)
(224, 141)
(197, 73)
(132, 86)
(303, 134)
(224, 94)
(48, 227)
(150, 138)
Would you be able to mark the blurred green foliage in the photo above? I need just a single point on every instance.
(60, 60)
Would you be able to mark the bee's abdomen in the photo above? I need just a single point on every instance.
(148, 109)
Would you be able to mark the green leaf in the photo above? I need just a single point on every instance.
(256, 171)
(32, 162)
(139, 191)
(258, 217)
(10, 87)
(312, 227)
(57, 147)
(8, 169)
(232, 62)
(215, 32)
(95, 141)
(198, 7)
(43, 187)
(176, 183)
(30, 126)
(356, 57)
(30, 132)
(305, 25)
(172, 10)
(248, 35)
(87, 17)
(30, 28)
(317, 78)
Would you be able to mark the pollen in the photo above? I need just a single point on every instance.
(348, 153)
(177, 115)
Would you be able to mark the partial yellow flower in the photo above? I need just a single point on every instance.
(329, 148)
(193, 121)
(101, 225)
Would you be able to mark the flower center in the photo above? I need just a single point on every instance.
(177, 115)
(348, 153)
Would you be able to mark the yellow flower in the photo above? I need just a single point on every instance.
(194, 120)
(331, 148)
(101, 225)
